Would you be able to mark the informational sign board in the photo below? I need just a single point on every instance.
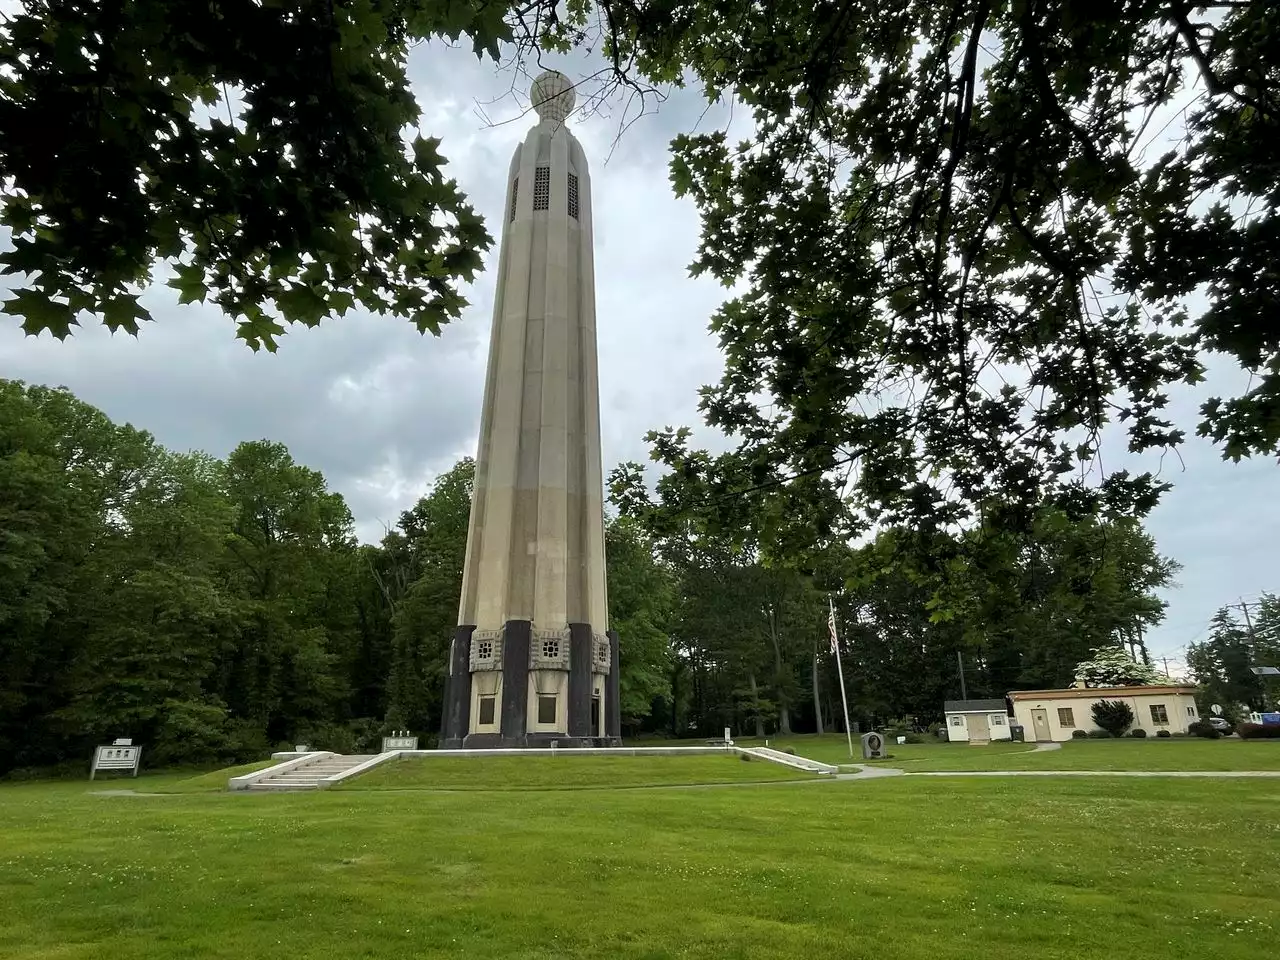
(399, 743)
(873, 746)
(116, 757)
(1271, 719)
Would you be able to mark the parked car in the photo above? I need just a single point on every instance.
(1221, 724)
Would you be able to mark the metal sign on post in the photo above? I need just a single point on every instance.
(399, 740)
(119, 756)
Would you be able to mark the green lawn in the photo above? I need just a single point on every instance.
(566, 771)
(1149, 754)
(897, 869)
(1153, 753)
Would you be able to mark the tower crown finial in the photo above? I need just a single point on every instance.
(552, 96)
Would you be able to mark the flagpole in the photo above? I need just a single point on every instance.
(844, 700)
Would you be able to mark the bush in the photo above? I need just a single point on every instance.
(744, 758)
(1163, 733)
(1079, 735)
(1137, 733)
(1113, 716)
(1202, 728)
(1259, 731)
(1099, 735)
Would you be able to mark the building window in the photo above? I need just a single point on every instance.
(1191, 711)
(484, 650)
(541, 187)
(488, 707)
(957, 721)
(515, 192)
(1159, 715)
(595, 715)
(546, 709)
(573, 195)
(1065, 717)
(997, 720)
(550, 649)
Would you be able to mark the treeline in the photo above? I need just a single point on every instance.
(750, 645)
(216, 609)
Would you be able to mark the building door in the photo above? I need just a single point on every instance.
(979, 728)
(1040, 721)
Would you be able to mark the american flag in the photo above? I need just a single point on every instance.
(831, 629)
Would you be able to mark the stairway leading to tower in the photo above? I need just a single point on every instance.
(311, 774)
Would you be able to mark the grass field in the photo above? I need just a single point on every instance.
(561, 772)
(899, 869)
(1153, 753)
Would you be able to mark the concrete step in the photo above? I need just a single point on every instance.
(307, 776)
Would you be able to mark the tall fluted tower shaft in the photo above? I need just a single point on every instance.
(531, 660)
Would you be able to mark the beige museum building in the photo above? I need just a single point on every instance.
(1047, 715)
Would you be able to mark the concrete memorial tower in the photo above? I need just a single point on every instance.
(531, 661)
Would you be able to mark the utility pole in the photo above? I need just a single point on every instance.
(964, 695)
(1167, 674)
(1248, 623)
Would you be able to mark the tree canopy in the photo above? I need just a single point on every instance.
(968, 236)
(968, 243)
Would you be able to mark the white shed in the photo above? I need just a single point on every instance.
(977, 721)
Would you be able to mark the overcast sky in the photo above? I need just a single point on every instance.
(381, 410)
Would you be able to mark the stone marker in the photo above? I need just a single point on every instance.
(121, 755)
(873, 746)
(399, 740)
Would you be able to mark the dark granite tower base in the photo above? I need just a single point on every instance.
(516, 635)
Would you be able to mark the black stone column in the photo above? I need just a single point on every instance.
(613, 708)
(580, 653)
(457, 690)
(515, 681)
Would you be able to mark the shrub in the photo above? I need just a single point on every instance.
(1113, 716)
(1259, 731)
(1079, 735)
(1163, 733)
(790, 750)
(744, 758)
(1099, 735)
(1137, 733)
(1202, 728)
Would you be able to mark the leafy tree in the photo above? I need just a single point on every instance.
(641, 597)
(1221, 664)
(1113, 716)
(256, 147)
(423, 593)
(964, 251)
(1113, 667)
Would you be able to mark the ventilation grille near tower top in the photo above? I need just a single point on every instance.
(573, 195)
(515, 192)
(541, 188)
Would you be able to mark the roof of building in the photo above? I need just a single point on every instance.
(973, 706)
(1101, 693)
